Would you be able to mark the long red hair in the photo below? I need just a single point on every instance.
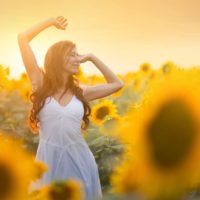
(52, 81)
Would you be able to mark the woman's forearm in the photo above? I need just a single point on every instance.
(36, 29)
(108, 74)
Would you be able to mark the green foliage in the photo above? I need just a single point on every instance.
(107, 151)
(13, 119)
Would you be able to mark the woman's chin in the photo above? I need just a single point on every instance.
(75, 71)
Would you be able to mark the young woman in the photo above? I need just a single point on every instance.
(60, 104)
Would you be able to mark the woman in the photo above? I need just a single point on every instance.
(60, 104)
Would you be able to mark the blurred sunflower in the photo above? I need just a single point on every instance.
(164, 139)
(60, 190)
(103, 111)
(16, 170)
(68, 190)
(145, 68)
(168, 67)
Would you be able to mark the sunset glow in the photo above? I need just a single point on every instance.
(123, 34)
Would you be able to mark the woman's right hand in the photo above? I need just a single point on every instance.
(60, 22)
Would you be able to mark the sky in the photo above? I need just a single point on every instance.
(121, 33)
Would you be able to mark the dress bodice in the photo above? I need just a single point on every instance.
(61, 124)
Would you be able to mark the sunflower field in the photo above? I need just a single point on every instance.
(145, 138)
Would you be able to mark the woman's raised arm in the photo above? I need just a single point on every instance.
(33, 70)
(100, 90)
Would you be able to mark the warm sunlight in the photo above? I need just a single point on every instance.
(131, 31)
(115, 115)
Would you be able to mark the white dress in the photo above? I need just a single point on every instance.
(63, 148)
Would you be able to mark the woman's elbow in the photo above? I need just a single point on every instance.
(121, 84)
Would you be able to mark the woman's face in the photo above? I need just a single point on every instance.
(72, 62)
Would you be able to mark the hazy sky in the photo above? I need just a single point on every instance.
(122, 33)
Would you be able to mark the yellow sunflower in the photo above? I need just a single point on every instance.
(103, 111)
(16, 170)
(70, 189)
(145, 67)
(168, 67)
(163, 137)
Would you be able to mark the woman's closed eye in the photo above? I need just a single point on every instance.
(74, 54)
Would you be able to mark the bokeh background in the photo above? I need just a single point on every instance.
(145, 137)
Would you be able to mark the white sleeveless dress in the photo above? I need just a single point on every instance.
(63, 148)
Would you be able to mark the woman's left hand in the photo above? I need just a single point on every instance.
(85, 58)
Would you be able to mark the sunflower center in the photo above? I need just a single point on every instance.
(60, 191)
(171, 134)
(6, 181)
(145, 68)
(102, 112)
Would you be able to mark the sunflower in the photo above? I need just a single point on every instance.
(168, 67)
(16, 170)
(145, 67)
(70, 189)
(103, 111)
(163, 137)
